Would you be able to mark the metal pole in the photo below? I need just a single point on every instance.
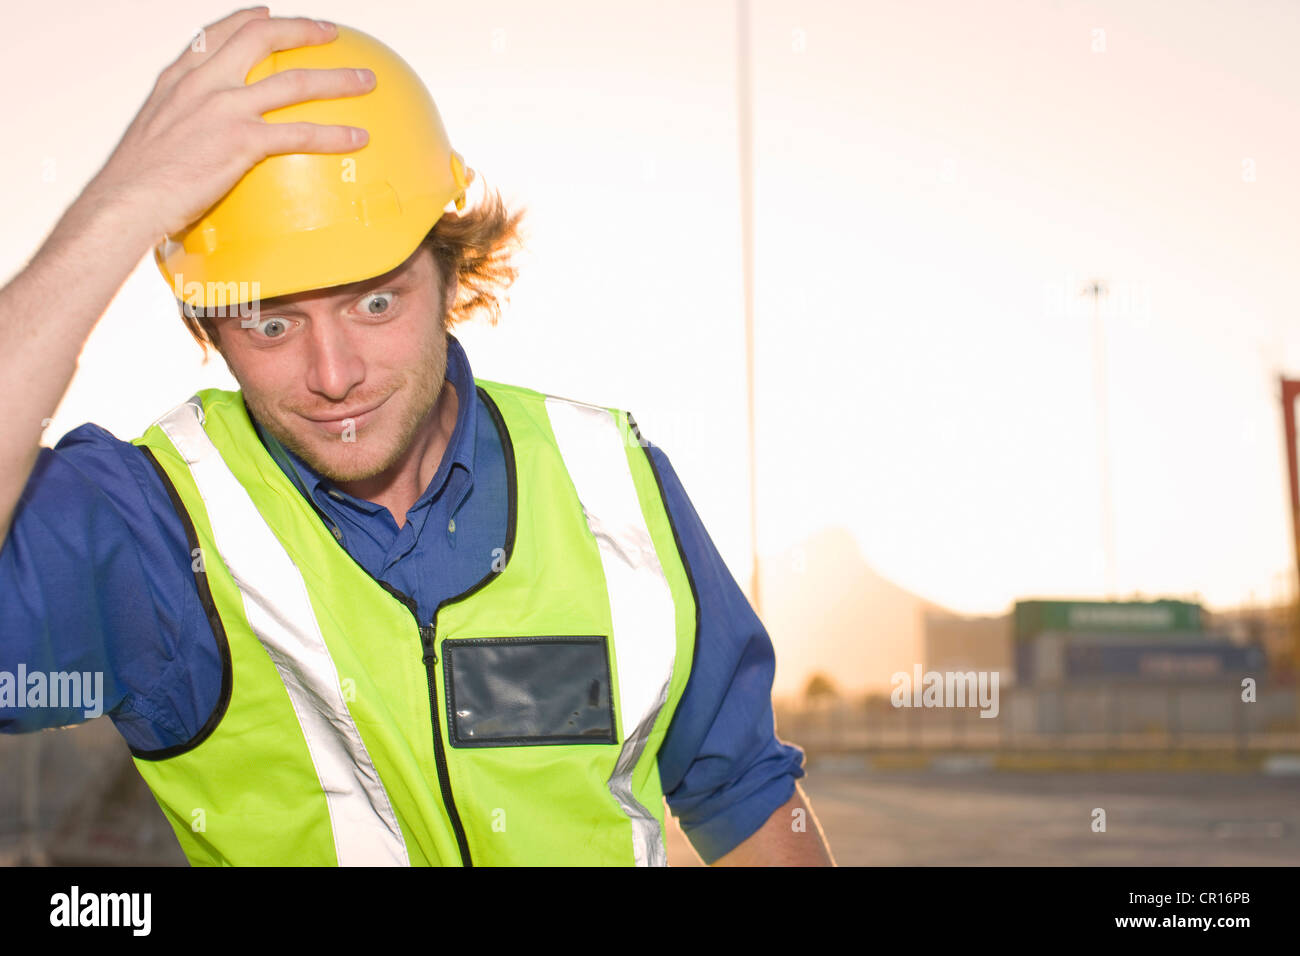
(1291, 392)
(745, 134)
(1096, 289)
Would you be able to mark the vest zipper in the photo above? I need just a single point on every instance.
(427, 633)
(430, 658)
(426, 638)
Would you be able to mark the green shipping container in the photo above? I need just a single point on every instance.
(1034, 617)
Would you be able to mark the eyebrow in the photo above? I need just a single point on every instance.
(276, 304)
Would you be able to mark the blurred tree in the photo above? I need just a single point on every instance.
(819, 689)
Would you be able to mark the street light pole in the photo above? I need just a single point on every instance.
(1290, 395)
(745, 135)
(1096, 289)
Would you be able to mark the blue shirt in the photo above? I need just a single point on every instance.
(96, 576)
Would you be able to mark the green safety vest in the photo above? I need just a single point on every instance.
(521, 726)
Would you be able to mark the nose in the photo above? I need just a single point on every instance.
(334, 367)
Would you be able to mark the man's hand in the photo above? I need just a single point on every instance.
(197, 134)
(201, 129)
(790, 837)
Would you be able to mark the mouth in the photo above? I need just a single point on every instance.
(359, 417)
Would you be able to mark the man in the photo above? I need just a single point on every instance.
(368, 609)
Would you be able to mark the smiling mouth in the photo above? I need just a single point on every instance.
(358, 417)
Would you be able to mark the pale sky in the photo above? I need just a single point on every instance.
(934, 181)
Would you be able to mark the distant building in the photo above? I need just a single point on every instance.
(969, 644)
(1273, 627)
(1083, 642)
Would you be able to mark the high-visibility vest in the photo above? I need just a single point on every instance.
(521, 726)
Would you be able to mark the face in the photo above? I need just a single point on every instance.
(346, 377)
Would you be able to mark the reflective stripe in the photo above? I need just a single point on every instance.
(640, 600)
(364, 825)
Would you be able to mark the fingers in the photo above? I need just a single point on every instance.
(217, 33)
(276, 138)
(257, 39)
(204, 98)
(296, 86)
(209, 39)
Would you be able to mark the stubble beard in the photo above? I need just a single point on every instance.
(421, 387)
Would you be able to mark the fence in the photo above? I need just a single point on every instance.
(1119, 717)
(73, 796)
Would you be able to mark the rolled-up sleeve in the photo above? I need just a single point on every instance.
(95, 579)
(723, 769)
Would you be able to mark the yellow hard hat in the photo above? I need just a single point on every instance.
(301, 221)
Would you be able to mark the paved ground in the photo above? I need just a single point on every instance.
(888, 818)
(94, 809)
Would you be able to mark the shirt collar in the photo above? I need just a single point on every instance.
(460, 449)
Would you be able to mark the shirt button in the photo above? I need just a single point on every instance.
(338, 535)
(451, 526)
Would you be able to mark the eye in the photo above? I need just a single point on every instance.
(272, 327)
(378, 303)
